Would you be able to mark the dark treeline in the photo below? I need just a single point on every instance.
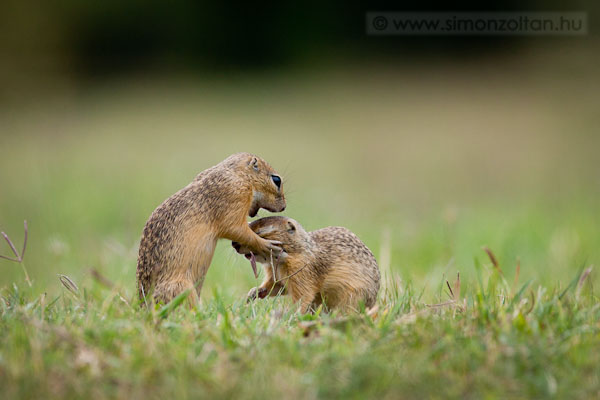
(98, 37)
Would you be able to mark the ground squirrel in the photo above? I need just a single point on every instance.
(330, 265)
(180, 236)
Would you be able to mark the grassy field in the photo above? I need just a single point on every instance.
(426, 165)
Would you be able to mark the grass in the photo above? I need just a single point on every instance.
(431, 169)
(486, 339)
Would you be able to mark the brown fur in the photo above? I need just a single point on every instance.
(180, 236)
(330, 265)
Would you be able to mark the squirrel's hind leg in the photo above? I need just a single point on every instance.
(169, 290)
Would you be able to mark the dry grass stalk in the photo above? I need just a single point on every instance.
(68, 284)
(18, 256)
(493, 259)
(98, 277)
(454, 295)
(517, 272)
(582, 279)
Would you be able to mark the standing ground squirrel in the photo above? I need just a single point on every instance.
(180, 236)
(330, 265)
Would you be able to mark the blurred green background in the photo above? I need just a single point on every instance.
(427, 148)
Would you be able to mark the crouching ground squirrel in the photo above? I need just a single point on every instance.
(180, 236)
(330, 265)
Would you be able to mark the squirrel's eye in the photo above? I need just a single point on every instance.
(276, 181)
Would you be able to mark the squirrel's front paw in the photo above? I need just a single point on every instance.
(273, 246)
(251, 295)
(255, 293)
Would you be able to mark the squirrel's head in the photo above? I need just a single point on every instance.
(283, 229)
(267, 185)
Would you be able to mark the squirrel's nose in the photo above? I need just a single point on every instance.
(236, 245)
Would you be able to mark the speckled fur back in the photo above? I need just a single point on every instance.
(339, 247)
(339, 242)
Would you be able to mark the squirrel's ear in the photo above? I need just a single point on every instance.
(291, 228)
(254, 163)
